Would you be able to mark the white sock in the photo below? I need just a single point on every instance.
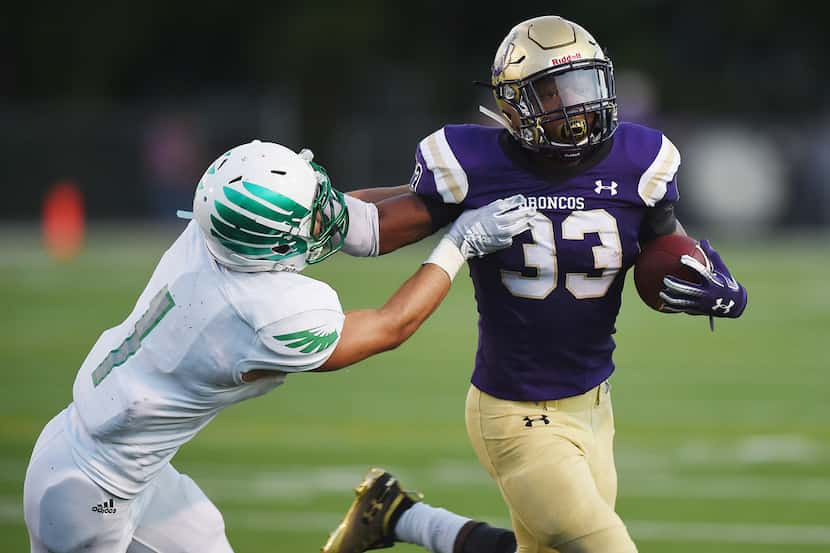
(430, 527)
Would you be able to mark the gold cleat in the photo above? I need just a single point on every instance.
(370, 521)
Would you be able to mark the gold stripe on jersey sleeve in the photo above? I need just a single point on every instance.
(652, 185)
(450, 179)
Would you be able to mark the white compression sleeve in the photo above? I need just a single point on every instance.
(363, 238)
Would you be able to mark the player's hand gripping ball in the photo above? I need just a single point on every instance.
(661, 258)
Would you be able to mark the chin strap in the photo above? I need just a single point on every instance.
(501, 121)
(497, 118)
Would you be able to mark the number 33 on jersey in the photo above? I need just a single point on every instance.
(547, 305)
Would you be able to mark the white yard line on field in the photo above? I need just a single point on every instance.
(641, 530)
(310, 483)
(722, 532)
(785, 489)
(749, 450)
(224, 482)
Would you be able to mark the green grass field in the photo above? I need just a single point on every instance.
(723, 440)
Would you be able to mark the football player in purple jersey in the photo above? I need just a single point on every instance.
(539, 410)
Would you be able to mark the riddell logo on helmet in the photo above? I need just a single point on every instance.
(566, 59)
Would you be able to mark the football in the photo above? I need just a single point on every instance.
(660, 258)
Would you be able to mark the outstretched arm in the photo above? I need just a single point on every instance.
(475, 233)
(376, 195)
(385, 219)
(370, 331)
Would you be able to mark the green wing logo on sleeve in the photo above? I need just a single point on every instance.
(311, 340)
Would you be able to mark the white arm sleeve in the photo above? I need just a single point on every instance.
(363, 238)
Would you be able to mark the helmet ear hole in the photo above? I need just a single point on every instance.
(281, 249)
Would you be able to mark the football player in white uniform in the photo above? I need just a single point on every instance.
(226, 316)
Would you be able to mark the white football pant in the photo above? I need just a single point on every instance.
(66, 512)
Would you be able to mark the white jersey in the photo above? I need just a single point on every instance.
(151, 383)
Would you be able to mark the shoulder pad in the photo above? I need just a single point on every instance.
(655, 160)
(438, 170)
(658, 183)
(262, 298)
(451, 157)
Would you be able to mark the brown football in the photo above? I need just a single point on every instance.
(660, 258)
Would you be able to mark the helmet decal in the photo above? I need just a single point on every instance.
(268, 254)
(288, 210)
(241, 221)
(504, 53)
(243, 234)
(238, 233)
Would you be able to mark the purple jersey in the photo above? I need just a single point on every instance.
(547, 304)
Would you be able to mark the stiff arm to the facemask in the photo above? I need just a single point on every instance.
(363, 237)
(476, 232)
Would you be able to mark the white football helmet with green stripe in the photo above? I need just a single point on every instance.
(257, 206)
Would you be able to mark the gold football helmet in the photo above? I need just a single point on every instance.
(555, 87)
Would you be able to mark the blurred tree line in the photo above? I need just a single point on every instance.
(67, 68)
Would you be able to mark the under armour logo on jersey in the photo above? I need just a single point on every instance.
(105, 508)
(530, 420)
(719, 306)
(600, 187)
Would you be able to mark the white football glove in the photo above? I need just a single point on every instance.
(490, 228)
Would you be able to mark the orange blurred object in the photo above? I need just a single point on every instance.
(63, 220)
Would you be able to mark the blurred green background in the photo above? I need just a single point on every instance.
(723, 442)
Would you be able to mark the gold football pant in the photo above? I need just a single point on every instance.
(554, 464)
